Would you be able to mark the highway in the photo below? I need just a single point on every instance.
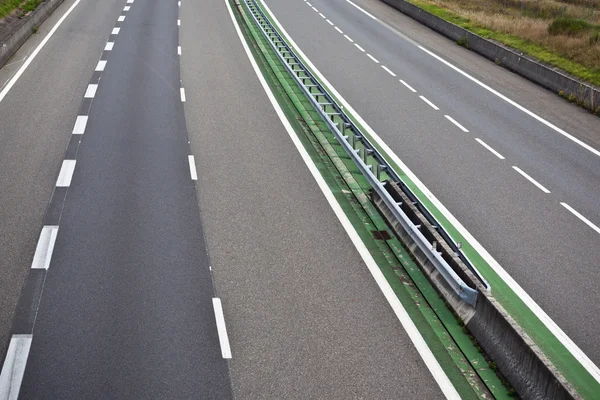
(180, 191)
(501, 172)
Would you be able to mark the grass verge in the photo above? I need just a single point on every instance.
(21, 7)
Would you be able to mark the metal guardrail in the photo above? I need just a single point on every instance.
(369, 161)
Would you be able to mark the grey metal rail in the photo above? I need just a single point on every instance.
(368, 159)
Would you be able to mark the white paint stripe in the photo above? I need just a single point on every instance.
(515, 104)
(178, 22)
(100, 66)
(115, 31)
(179, 50)
(315, 9)
(491, 261)
(462, 128)
(129, 1)
(581, 217)
(182, 93)
(13, 368)
(339, 30)
(66, 173)
(412, 331)
(193, 172)
(408, 86)
(430, 103)
(90, 92)
(362, 10)
(121, 18)
(109, 46)
(530, 179)
(221, 328)
(329, 22)
(389, 71)
(373, 58)
(350, 39)
(358, 47)
(45, 247)
(494, 152)
(310, 5)
(126, 8)
(321, 14)
(35, 52)
(80, 124)
(178, 4)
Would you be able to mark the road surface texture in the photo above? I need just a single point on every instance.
(502, 173)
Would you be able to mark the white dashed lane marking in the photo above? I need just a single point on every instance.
(339, 30)
(109, 46)
(182, 94)
(221, 329)
(115, 31)
(530, 179)
(462, 128)
(494, 152)
(429, 102)
(121, 18)
(349, 39)
(358, 47)
(45, 247)
(330, 23)
(192, 163)
(386, 69)
(126, 8)
(66, 173)
(408, 86)
(373, 58)
(90, 92)
(581, 217)
(100, 66)
(80, 124)
(179, 50)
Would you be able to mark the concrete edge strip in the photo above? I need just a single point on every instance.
(13, 368)
(544, 318)
(413, 333)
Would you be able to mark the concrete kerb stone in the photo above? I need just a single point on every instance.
(10, 46)
(545, 76)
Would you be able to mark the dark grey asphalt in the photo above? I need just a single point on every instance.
(127, 307)
(543, 246)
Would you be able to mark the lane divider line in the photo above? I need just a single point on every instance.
(339, 30)
(315, 9)
(66, 173)
(44, 248)
(192, 163)
(373, 58)
(330, 23)
(90, 92)
(494, 152)
(13, 368)
(462, 128)
(126, 8)
(178, 22)
(109, 46)
(349, 39)
(389, 71)
(221, 328)
(178, 4)
(121, 18)
(581, 217)
(430, 103)
(321, 14)
(115, 31)
(80, 124)
(358, 47)
(182, 94)
(408, 86)
(530, 179)
(362, 10)
(178, 50)
(129, 1)
(100, 66)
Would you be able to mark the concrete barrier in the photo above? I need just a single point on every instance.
(548, 77)
(24, 30)
(516, 356)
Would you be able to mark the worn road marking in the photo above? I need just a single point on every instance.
(530, 179)
(45, 247)
(66, 173)
(494, 152)
(429, 102)
(192, 163)
(13, 368)
(221, 328)
(581, 217)
(462, 128)
(80, 124)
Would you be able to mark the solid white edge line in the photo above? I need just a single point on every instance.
(182, 94)
(121, 18)
(192, 163)
(66, 173)
(389, 71)
(362, 10)
(221, 328)
(115, 31)
(358, 47)
(109, 46)
(80, 124)
(429, 102)
(101, 65)
(178, 50)
(514, 103)
(491, 261)
(530, 179)
(490, 149)
(349, 38)
(330, 23)
(581, 217)
(339, 30)
(424, 351)
(373, 58)
(35, 52)
(44, 247)
(408, 86)
(90, 92)
(462, 128)
(14, 365)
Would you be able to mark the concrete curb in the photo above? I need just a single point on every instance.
(550, 78)
(10, 46)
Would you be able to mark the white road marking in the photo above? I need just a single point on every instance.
(466, 235)
(90, 92)
(530, 179)
(330, 23)
(349, 39)
(494, 152)
(462, 128)
(45, 247)
(408, 86)
(515, 104)
(321, 14)
(13, 368)
(581, 217)
(121, 18)
(66, 173)
(386, 69)
(362, 10)
(310, 5)
(100, 66)
(373, 58)
(178, 22)
(179, 50)
(424, 351)
(430, 103)
(315, 9)
(129, 1)
(115, 31)
(35, 52)
(358, 47)
(126, 8)
(178, 4)
(339, 30)
(80, 124)
(193, 172)
(109, 46)
(221, 328)
(182, 93)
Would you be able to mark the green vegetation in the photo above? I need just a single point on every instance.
(571, 27)
(20, 6)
